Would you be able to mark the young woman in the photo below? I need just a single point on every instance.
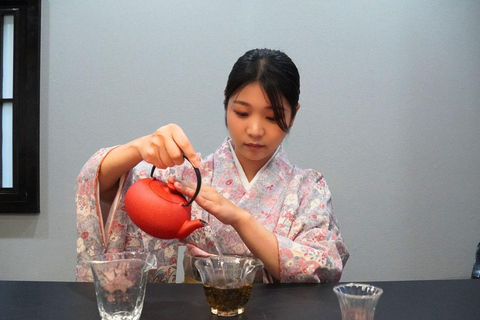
(260, 204)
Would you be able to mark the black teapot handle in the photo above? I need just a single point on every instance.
(199, 182)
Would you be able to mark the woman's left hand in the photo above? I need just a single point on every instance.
(213, 202)
(262, 243)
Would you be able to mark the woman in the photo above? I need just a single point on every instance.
(260, 204)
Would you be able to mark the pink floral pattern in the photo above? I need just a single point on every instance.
(121, 234)
(293, 203)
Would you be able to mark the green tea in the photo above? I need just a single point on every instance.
(227, 300)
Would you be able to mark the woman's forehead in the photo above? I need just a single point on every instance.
(254, 94)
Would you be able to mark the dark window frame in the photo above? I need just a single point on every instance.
(24, 197)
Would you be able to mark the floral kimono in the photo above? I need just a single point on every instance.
(292, 203)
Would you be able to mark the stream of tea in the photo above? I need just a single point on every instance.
(212, 234)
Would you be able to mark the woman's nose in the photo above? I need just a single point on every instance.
(255, 127)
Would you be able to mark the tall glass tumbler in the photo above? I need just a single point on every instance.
(357, 301)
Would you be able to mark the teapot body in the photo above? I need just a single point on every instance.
(159, 210)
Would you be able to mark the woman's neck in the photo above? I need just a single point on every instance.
(251, 170)
(250, 167)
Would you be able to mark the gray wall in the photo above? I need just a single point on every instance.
(390, 114)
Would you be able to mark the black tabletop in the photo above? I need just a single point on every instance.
(445, 299)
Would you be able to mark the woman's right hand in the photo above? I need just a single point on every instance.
(166, 146)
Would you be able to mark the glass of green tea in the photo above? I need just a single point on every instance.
(228, 281)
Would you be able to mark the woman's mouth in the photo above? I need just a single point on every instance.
(254, 146)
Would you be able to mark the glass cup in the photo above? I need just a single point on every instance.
(191, 274)
(357, 301)
(228, 282)
(120, 281)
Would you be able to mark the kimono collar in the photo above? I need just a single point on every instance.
(243, 178)
(277, 168)
(270, 184)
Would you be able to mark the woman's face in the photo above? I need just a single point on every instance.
(253, 128)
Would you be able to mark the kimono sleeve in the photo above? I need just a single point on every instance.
(90, 232)
(312, 250)
(118, 233)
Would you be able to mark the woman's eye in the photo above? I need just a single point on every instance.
(241, 114)
(271, 119)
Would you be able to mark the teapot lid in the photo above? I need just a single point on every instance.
(167, 192)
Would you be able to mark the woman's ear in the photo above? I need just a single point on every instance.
(293, 118)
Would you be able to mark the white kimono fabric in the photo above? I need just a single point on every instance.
(294, 204)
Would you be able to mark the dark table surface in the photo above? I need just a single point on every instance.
(405, 300)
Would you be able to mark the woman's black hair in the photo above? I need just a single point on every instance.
(275, 72)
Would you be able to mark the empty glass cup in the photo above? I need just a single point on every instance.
(357, 301)
(228, 282)
(120, 281)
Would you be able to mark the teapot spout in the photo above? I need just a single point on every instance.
(189, 226)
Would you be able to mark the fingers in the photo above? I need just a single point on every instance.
(185, 146)
(172, 152)
(187, 188)
(210, 200)
(204, 197)
(166, 147)
(150, 151)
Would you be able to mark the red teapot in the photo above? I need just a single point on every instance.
(160, 210)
